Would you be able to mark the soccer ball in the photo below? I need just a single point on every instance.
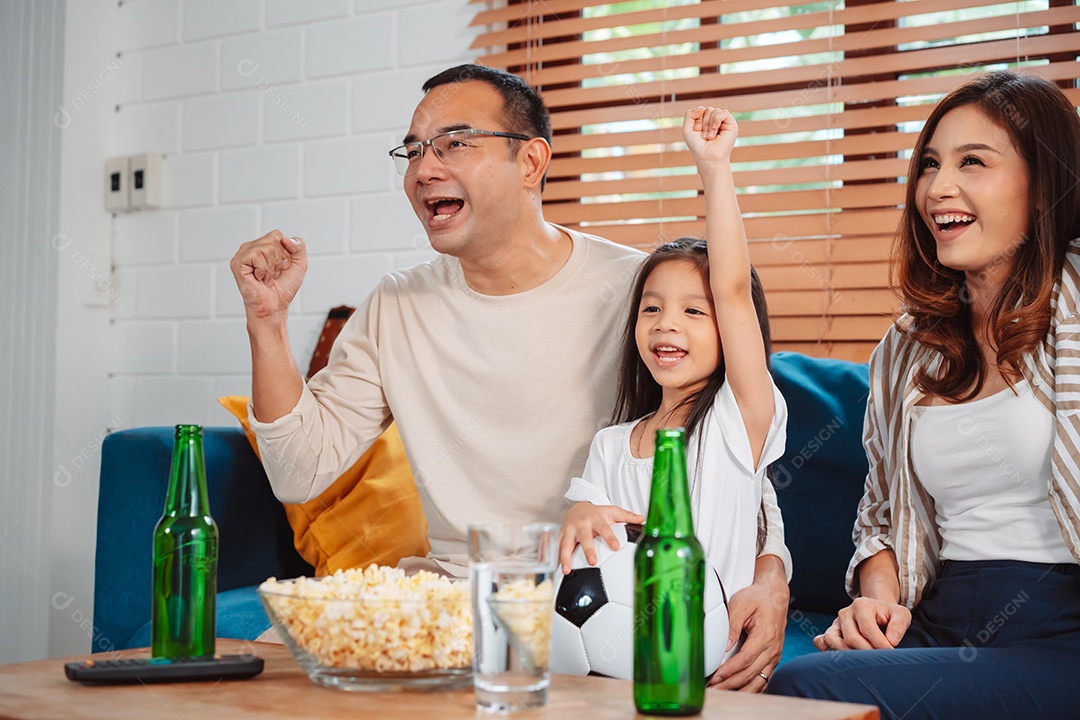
(592, 632)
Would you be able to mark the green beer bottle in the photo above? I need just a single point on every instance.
(185, 557)
(669, 584)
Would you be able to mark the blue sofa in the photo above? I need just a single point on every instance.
(819, 481)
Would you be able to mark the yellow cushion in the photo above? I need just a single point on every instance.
(372, 513)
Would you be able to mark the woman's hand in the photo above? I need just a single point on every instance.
(584, 521)
(866, 624)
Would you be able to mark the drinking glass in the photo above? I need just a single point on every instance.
(511, 568)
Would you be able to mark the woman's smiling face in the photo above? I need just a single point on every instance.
(972, 193)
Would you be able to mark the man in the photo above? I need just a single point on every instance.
(496, 359)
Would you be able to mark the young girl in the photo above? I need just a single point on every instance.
(695, 355)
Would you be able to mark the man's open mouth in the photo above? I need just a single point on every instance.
(444, 208)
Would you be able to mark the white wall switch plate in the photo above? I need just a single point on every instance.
(146, 181)
(117, 177)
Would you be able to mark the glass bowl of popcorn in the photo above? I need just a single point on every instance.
(375, 629)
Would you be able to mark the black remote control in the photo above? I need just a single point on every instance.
(148, 670)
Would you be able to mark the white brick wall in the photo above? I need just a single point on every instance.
(211, 234)
(149, 23)
(178, 291)
(348, 166)
(270, 114)
(398, 92)
(221, 121)
(148, 128)
(261, 59)
(212, 18)
(320, 222)
(144, 347)
(284, 12)
(179, 71)
(350, 46)
(145, 238)
(189, 180)
(270, 172)
(444, 27)
(306, 110)
(385, 221)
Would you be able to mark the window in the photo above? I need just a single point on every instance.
(828, 96)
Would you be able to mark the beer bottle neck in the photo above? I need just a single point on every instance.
(669, 497)
(187, 480)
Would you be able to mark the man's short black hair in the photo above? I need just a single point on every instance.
(524, 109)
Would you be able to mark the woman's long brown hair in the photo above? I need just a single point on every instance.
(1045, 130)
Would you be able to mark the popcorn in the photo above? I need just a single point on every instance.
(523, 607)
(376, 619)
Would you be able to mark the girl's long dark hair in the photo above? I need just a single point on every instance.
(1043, 127)
(638, 393)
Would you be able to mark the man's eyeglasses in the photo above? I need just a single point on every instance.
(451, 148)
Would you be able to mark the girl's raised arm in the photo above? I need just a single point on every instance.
(710, 134)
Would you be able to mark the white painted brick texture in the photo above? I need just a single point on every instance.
(129, 79)
(270, 114)
(284, 12)
(174, 292)
(189, 180)
(172, 399)
(148, 128)
(358, 45)
(209, 348)
(320, 222)
(144, 238)
(444, 29)
(264, 173)
(302, 111)
(149, 23)
(221, 121)
(398, 92)
(385, 221)
(211, 234)
(342, 281)
(204, 19)
(348, 167)
(261, 60)
(227, 300)
(180, 71)
(144, 347)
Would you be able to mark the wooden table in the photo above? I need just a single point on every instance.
(39, 691)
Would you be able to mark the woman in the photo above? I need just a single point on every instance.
(965, 575)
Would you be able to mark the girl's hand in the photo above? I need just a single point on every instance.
(710, 134)
(584, 521)
(865, 624)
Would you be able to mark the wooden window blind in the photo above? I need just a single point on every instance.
(828, 95)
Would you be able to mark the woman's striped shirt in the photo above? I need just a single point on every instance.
(896, 511)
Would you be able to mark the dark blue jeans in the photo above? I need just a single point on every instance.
(990, 639)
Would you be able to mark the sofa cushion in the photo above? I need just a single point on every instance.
(371, 514)
(819, 480)
(240, 615)
(799, 634)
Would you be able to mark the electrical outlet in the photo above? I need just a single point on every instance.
(146, 181)
(117, 172)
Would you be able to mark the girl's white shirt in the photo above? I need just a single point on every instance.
(732, 502)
